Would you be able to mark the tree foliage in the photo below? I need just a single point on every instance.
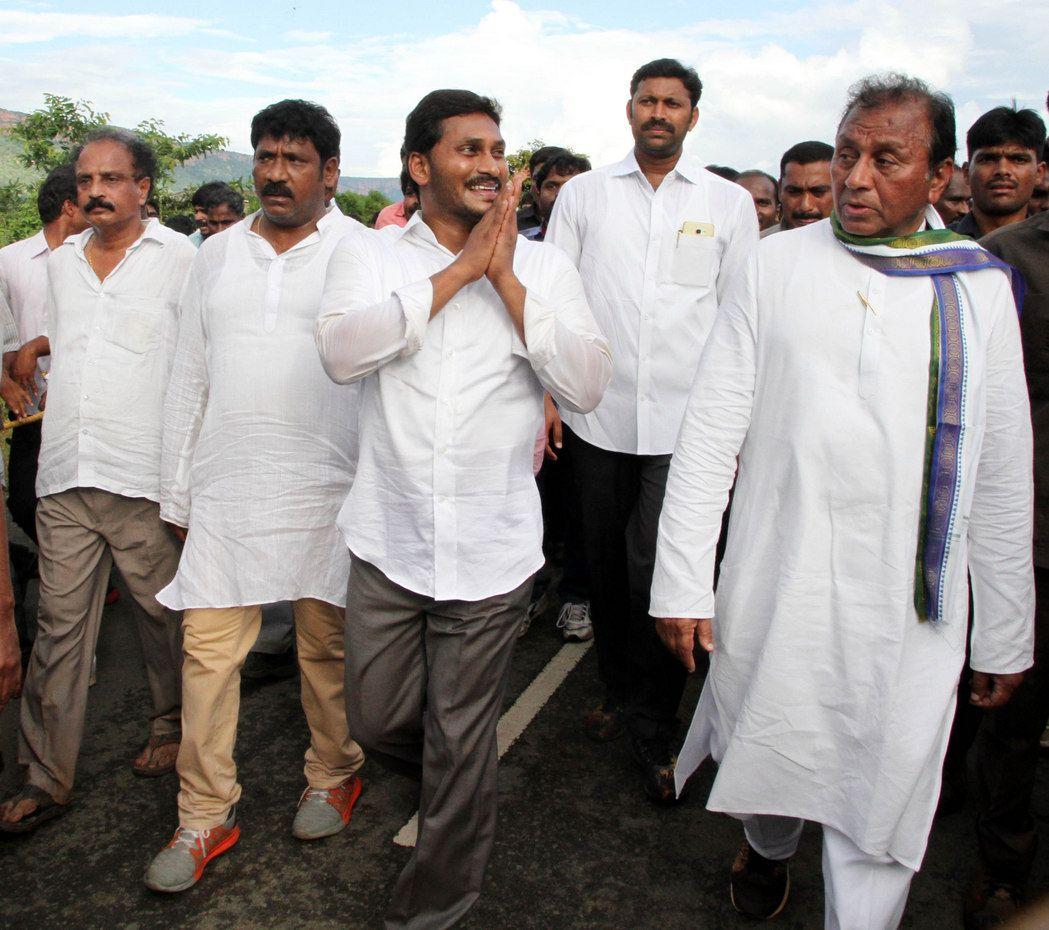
(362, 207)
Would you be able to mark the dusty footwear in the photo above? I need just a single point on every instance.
(325, 811)
(605, 723)
(180, 864)
(158, 756)
(990, 903)
(46, 808)
(656, 762)
(759, 887)
(574, 622)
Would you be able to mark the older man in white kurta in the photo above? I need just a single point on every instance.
(828, 698)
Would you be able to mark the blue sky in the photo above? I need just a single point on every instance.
(774, 73)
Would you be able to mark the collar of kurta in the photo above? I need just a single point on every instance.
(151, 231)
(941, 255)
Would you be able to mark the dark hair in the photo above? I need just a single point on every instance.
(755, 173)
(298, 119)
(724, 171)
(224, 194)
(202, 195)
(181, 223)
(58, 187)
(805, 153)
(543, 154)
(143, 160)
(878, 90)
(564, 162)
(424, 126)
(1007, 124)
(669, 68)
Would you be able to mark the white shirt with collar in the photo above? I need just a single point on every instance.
(23, 280)
(259, 444)
(112, 343)
(655, 265)
(444, 502)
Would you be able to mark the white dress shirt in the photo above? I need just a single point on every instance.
(444, 502)
(112, 343)
(653, 285)
(8, 327)
(259, 444)
(827, 698)
(23, 280)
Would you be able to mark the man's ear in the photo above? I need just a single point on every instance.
(695, 118)
(941, 177)
(330, 173)
(419, 169)
(965, 172)
(145, 185)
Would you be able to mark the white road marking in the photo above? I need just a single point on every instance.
(514, 722)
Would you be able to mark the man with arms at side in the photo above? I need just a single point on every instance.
(1005, 161)
(112, 322)
(658, 240)
(804, 186)
(251, 420)
(457, 327)
(868, 381)
(763, 188)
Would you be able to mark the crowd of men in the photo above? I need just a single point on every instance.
(288, 420)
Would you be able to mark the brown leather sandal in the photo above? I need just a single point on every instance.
(47, 808)
(155, 742)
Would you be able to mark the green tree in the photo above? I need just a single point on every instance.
(362, 207)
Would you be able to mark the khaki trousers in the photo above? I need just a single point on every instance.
(81, 532)
(216, 642)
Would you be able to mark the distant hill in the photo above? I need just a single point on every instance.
(218, 166)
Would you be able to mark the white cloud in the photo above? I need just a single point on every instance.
(19, 27)
(769, 80)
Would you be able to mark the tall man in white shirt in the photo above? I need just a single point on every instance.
(457, 326)
(868, 379)
(658, 241)
(112, 321)
(259, 452)
(23, 279)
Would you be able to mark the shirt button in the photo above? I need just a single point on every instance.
(83, 432)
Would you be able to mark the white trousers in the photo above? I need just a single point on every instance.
(861, 891)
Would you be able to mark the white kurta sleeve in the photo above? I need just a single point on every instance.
(357, 335)
(741, 244)
(1001, 522)
(567, 351)
(186, 400)
(703, 467)
(8, 327)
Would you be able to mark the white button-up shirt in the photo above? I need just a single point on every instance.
(112, 343)
(444, 502)
(259, 444)
(23, 280)
(655, 264)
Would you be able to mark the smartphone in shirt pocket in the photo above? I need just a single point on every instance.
(694, 261)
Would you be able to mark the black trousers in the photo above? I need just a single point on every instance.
(561, 525)
(620, 497)
(21, 477)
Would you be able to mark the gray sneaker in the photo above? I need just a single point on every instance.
(574, 622)
(180, 864)
(325, 811)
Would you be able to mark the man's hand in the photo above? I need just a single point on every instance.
(15, 396)
(553, 427)
(10, 656)
(500, 269)
(23, 369)
(992, 691)
(680, 635)
(473, 261)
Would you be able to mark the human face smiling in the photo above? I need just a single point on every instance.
(880, 172)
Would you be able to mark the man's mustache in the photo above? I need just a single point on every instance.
(96, 202)
(805, 215)
(276, 189)
(657, 124)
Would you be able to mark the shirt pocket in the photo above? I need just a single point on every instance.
(137, 327)
(694, 261)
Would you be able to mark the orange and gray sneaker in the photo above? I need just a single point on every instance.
(325, 811)
(180, 864)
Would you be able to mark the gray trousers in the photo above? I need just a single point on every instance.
(425, 682)
(81, 532)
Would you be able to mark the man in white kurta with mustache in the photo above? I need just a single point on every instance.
(869, 379)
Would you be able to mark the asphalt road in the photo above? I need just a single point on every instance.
(578, 845)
